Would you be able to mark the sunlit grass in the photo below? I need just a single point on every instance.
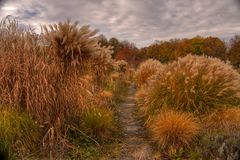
(196, 84)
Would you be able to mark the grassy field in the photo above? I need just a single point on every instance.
(61, 91)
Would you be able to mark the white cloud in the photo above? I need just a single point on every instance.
(141, 22)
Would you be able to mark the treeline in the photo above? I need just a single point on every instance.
(166, 51)
(121, 50)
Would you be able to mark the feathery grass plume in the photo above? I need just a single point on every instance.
(71, 45)
(18, 132)
(225, 121)
(23, 69)
(194, 83)
(11, 33)
(174, 129)
(146, 70)
(101, 64)
(28, 80)
(98, 121)
(121, 66)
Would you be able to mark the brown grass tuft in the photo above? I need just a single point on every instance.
(171, 128)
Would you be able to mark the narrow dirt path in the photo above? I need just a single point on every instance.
(135, 144)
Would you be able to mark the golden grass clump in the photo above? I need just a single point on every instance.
(174, 129)
(194, 83)
(146, 70)
(225, 121)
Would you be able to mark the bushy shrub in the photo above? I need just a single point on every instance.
(174, 129)
(218, 146)
(18, 132)
(220, 134)
(194, 83)
(98, 121)
(146, 70)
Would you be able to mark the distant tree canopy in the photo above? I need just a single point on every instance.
(116, 44)
(113, 42)
(122, 50)
(166, 51)
(214, 47)
(234, 51)
(128, 52)
(103, 41)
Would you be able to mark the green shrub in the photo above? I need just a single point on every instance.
(18, 132)
(98, 121)
(193, 83)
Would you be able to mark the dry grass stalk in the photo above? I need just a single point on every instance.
(32, 78)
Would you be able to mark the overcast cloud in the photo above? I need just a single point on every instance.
(138, 21)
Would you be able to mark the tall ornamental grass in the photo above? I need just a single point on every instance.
(146, 70)
(195, 84)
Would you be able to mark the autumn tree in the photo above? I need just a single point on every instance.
(103, 41)
(166, 51)
(116, 44)
(213, 46)
(234, 51)
(196, 45)
(128, 52)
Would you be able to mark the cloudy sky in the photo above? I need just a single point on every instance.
(139, 21)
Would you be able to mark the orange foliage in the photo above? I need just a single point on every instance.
(127, 53)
